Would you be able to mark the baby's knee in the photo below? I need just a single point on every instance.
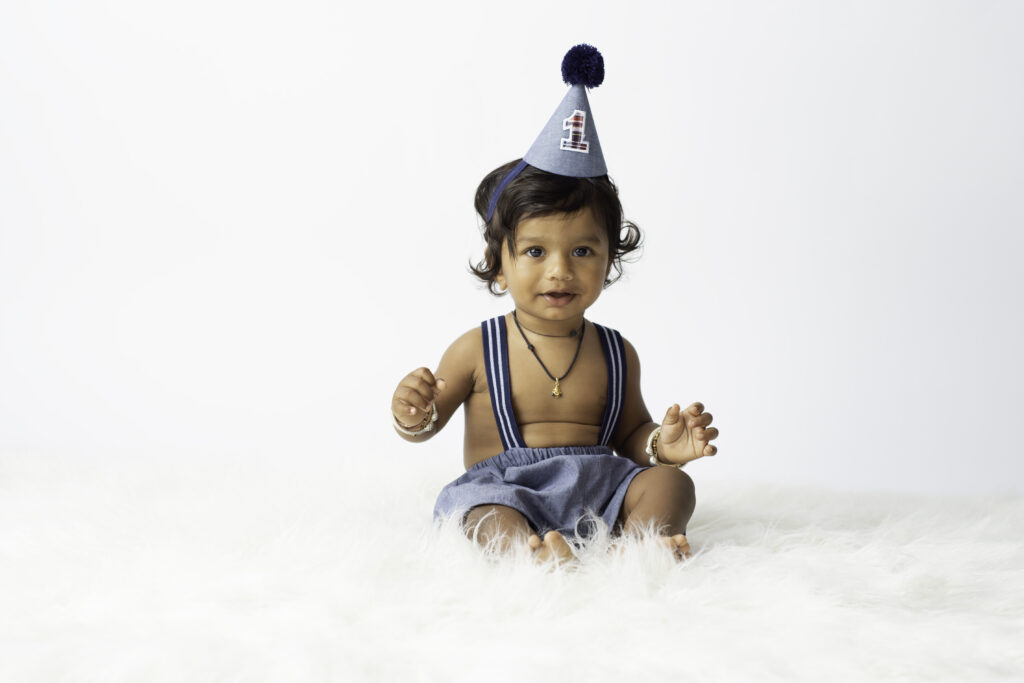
(496, 527)
(674, 484)
(492, 520)
(672, 479)
(663, 496)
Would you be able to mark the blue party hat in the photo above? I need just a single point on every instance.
(568, 145)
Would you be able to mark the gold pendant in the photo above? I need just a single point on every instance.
(556, 392)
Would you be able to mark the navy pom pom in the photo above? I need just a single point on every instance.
(583, 65)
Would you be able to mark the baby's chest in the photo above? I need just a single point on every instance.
(540, 396)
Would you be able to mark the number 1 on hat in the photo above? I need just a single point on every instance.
(575, 124)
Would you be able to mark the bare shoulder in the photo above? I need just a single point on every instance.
(632, 357)
(632, 372)
(468, 345)
(632, 363)
(634, 409)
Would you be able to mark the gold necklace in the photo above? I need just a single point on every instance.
(556, 391)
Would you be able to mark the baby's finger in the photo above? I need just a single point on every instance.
(419, 385)
(695, 409)
(701, 420)
(671, 415)
(710, 450)
(710, 434)
(412, 398)
(424, 373)
(415, 388)
(405, 410)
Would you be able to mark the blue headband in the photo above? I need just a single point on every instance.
(501, 187)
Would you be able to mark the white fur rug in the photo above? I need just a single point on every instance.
(186, 570)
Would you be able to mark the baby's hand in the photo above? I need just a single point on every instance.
(685, 435)
(414, 398)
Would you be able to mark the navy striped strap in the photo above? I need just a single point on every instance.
(615, 359)
(496, 360)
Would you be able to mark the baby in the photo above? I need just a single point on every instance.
(556, 430)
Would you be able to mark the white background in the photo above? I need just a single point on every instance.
(228, 229)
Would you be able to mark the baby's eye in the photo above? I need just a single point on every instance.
(535, 252)
(582, 251)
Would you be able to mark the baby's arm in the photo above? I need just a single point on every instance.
(416, 395)
(684, 433)
(635, 423)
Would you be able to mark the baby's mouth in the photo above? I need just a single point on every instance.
(558, 298)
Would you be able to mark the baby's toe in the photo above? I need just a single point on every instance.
(678, 545)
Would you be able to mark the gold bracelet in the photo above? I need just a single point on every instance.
(427, 425)
(652, 450)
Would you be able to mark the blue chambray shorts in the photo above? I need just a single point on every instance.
(556, 489)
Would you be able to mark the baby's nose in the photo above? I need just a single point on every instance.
(559, 268)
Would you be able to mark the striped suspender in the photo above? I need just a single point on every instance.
(615, 359)
(496, 360)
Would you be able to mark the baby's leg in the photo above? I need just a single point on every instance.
(662, 497)
(497, 526)
(506, 528)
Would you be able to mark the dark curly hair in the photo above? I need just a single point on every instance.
(535, 193)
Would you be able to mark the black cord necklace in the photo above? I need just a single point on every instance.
(572, 333)
(556, 392)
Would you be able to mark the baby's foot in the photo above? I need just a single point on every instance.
(678, 545)
(554, 548)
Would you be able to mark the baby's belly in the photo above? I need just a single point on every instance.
(482, 440)
(551, 434)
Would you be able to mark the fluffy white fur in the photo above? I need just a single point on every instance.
(246, 570)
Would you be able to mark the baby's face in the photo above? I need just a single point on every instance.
(559, 267)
